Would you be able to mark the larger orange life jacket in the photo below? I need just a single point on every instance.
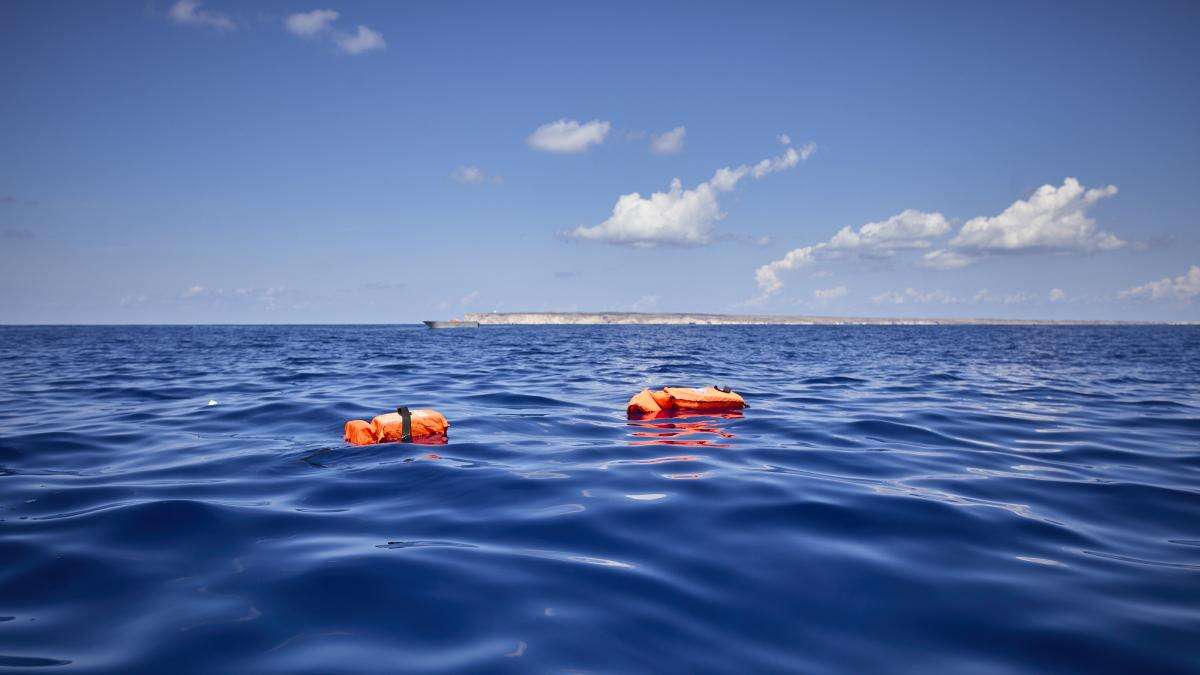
(680, 399)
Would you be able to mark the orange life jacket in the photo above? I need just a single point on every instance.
(389, 427)
(673, 399)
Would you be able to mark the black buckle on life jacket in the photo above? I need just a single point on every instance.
(405, 424)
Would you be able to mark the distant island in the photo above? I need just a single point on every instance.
(647, 318)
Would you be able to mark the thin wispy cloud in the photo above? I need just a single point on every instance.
(668, 142)
(383, 286)
(986, 297)
(189, 12)
(361, 41)
(827, 294)
(473, 175)
(319, 24)
(680, 217)
(911, 296)
(568, 136)
(309, 24)
(646, 303)
(270, 298)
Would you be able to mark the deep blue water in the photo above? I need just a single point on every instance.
(897, 499)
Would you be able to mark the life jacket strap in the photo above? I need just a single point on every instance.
(405, 424)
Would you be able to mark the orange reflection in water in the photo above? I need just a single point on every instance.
(675, 430)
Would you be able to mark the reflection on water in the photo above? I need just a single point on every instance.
(678, 429)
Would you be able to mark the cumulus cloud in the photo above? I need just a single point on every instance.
(469, 174)
(911, 296)
(188, 12)
(668, 142)
(910, 229)
(784, 139)
(678, 217)
(1183, 287)
(362, 41)
(767, 276)
(1057, 295)
(906, 230)
(308, 24)
(568, 136)
(1054, 218)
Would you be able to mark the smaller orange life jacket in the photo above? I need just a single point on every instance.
(389, 427)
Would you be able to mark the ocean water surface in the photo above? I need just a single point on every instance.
(896, 499)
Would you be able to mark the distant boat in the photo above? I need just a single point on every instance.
(451, 324)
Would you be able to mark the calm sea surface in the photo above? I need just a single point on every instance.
(897, 499)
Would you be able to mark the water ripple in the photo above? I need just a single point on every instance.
(897, 499)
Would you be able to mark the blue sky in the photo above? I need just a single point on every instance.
(388, 162)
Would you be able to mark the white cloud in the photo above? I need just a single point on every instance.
(1057, 295)
(911, 296)
(785, 161)
(1054, 218)
(908, 229)
(308, 24)
(767, 276)
(1183, 287)
(677, 217)
(469, 298)
(830, 293)
(943, 259)
(470, 174)
(364, 40)
(568, 136)
(271, 298)
(784, 139)
(668, 142)
(189, 12)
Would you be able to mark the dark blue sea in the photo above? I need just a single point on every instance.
(896, 499)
